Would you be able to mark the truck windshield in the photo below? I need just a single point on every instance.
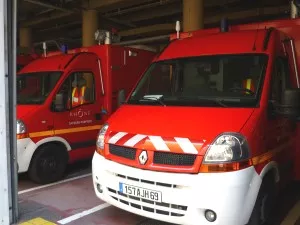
(34, 88)
(218, 81)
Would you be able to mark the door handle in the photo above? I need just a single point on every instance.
(98, 116)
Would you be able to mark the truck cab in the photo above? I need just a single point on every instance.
(24, 59)
(208, 134)
(63, 99)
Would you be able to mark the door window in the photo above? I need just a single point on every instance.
(78, 89)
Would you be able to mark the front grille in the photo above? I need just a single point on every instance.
(166, 158)
(147, 205)
(121, 151)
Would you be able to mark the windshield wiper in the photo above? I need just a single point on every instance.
(219, 101)
(153, 98)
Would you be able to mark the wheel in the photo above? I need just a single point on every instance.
(48, 164)
(264, 202)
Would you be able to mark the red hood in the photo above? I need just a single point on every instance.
(196, 124)
(25, 110)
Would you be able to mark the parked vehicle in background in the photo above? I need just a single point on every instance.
(65, 98)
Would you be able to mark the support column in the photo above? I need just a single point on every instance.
(193, 17)
(89, 27)
(25, 34)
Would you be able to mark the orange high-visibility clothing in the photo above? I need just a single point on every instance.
(78, 96)
(249, 84)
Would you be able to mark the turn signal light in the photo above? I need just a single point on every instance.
(225, 167)
(22, 136)
(100, 151)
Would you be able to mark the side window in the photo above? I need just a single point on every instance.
(280, 78)
(78, 89)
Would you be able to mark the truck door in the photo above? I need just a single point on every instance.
(280, 130)
(291, 49)
(80, 119)
(118, 78)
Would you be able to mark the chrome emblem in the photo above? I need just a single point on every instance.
(143, 157)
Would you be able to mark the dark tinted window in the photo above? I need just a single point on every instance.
(203, 81)
(34, 88)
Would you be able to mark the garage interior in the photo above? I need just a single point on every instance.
(73, 23)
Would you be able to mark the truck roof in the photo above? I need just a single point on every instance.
(51, 63)
(232, 42)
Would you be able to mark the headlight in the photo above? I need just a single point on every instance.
(101, 136)
(226, 148)
(21, 128)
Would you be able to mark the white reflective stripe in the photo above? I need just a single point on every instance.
(75, 99)
(186, 145)
(114, 139)
(134, 140)
(159, 143)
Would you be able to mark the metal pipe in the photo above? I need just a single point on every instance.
(137, 8)
(144, 40)
(295, 62)
(12, 96)
(7, 112)
(47, 5)
(43, 12)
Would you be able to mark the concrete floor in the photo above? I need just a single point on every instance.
(73, 202)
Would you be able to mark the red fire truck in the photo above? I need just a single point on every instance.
(64, 99)
(23, 60)
(208, 135)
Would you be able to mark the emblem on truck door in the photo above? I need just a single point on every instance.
(143, 157)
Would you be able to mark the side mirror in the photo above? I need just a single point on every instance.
(121, 97)
(290, 104)
(59, 103)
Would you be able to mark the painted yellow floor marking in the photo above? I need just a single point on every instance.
(293, 215)
(37, 221)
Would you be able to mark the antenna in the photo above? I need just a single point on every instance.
(254, 45)
(45, 48)
(178, 28)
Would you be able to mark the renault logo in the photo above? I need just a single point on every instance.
(143, 157)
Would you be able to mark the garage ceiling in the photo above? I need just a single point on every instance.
(61, 19)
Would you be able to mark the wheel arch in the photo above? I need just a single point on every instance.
(54, 140)
(271, 169)
(51, 140)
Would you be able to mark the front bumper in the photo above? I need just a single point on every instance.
(25, 150)
(185, 197)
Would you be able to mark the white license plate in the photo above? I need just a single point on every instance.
(139, 192)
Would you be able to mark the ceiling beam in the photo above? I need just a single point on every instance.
(164, 28)
(52, 16)
(147, 14)
(157, 28)
(105, 5)
(47, 5)
(146, 6)
(251, 13)
(91, 4)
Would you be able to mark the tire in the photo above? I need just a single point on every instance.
(48, 164)
(264, 202)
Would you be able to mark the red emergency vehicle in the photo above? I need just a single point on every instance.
(64, 99)
(208, 134)
(23, 60)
